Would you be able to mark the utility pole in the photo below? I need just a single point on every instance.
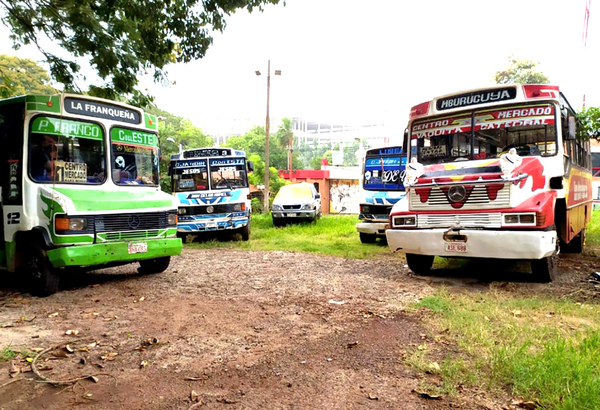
(267, 128)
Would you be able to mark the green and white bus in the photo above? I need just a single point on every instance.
(79, 189)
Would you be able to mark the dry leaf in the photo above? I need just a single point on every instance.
(69, 349)
(143, 364)
(352, 344)
(93, 378)
(194, 396)
(53, 314)
(422, 347)
(516, 312)
(434, 366)
(372, 397)
(72, 332)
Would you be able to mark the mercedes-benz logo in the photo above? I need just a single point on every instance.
(133, 221)
(457, 193)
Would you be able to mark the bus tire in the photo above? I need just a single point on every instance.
(156, 265)
(43, 279)
(420, 264)
(367, 237)
(544, 270)
(245, 231)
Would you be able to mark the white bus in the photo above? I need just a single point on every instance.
(79, 188)
(497, 172)
(212, 191)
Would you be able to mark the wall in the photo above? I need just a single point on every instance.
(344, 196)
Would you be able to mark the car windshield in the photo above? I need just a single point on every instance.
(228, 173)
(134, 157)
(529, 129)
(66, 151)
(295, 191)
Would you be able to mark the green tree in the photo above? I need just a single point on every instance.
(257, 178)
(20, 76)
(589, 118)
(520, 71)
(122, 39)
(173, 131)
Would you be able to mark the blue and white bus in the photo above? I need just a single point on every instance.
(212, 191)
(382, 187)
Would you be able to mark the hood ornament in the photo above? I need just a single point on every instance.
(413, 170)
(508, 162)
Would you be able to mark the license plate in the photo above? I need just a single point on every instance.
(138, 247)
(456, 246)
(292, 215)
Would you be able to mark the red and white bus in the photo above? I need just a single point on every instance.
(496, 172)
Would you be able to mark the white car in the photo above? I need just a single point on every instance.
(296, 202)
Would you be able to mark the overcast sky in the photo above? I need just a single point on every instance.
(370, 61)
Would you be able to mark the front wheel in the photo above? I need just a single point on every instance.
(367, 237)
(38, 270)
(156, 265)
(245, 231)
(420, 264)
(545, 269)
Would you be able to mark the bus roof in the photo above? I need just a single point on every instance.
(492, 95)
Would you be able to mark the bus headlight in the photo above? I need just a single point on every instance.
(409, 220)
(65, 223)
(239, 207)
(172, 219)
(519, 219)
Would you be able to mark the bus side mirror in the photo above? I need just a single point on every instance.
(250, 166)
(570, 129)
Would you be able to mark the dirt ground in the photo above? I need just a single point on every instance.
(245, 330)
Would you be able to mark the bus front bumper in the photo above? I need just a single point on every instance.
(472, 243)
(372, 228)
(114, 252)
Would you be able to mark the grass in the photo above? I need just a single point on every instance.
(334, 235)
(593, 229)
(8, 354)
(545, 350)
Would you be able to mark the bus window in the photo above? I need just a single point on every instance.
(228, 174)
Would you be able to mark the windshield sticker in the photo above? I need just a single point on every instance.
(515, 117)
(190, 164)
(67, 128)
(71, 171)
(436, 151)
(445, 126)
(227, 162)
(134, 137)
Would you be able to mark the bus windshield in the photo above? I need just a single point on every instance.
(66, 151)
(228, 173)
(134, 157)
(383, 169)
(530, 129)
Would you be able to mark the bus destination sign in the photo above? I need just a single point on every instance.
(207, 152)
(476, 98)
(102, 110)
